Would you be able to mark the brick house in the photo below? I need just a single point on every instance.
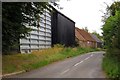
(84, 39)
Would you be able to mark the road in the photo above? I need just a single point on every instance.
(83, 66)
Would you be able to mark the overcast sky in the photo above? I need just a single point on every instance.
(85, 13)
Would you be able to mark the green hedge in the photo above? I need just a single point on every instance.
(111, 64)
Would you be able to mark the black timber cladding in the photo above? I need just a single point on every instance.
(63, 29)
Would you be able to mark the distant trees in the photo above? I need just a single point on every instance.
(86, 29)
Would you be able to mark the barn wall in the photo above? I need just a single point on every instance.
(39, 37)
(63, 30)
(54, 28)
(66, 30)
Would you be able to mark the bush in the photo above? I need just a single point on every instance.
(59, 45)
(111, 65)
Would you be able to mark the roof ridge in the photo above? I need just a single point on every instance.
(85, 35)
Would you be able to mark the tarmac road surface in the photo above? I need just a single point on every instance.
(83, 66)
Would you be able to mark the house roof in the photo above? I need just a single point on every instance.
(96, 38)
(85, 35)
(78, 35)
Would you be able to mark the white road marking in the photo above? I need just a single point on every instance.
(77, 64)
(83, 60)
(87, 58)
(91, 55)
(65, 71)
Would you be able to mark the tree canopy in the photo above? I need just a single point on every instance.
(111, 28)
(111, 34)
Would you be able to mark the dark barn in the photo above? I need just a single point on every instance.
(63, 29)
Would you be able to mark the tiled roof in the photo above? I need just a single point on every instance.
(85, 35)
(78, 35)
(96, 38)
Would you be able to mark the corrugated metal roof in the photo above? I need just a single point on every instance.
(96, 38)
(85, 35)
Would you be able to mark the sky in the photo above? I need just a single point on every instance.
(85, 13)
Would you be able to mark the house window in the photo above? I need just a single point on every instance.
(88, 42)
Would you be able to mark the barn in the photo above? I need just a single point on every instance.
(55, 28)
(63, 29)
(84, 38)
(99, 43)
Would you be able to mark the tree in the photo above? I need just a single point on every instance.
(113, 8)
(111, 34)
(86, 29)
(111, 28)
(15, 17)
(112, 31)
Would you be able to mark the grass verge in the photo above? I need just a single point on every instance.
(37, 59)
(111, 64)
